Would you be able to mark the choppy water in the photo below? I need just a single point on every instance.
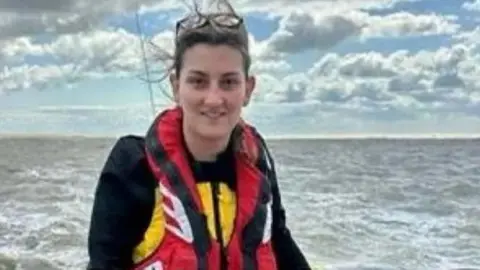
(352, 204)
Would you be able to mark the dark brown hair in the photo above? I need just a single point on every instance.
(213, 36)
(210, 33)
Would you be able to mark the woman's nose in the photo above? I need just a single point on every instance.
(214, 95)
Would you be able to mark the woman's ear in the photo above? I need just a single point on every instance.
(250, 87)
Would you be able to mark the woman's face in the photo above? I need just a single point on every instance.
(212, 89)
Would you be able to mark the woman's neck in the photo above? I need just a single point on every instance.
(203, 149)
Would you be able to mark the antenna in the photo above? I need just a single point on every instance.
(144, 59)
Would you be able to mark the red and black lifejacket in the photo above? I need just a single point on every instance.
(187, 243)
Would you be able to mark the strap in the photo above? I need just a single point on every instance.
(201, 240)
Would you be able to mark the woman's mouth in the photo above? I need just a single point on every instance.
(213, 115)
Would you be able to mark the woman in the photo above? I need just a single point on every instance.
(199, 191)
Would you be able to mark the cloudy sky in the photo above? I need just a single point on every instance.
(324, 67)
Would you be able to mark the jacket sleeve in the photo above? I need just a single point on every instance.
(120, 208)
(287, 252)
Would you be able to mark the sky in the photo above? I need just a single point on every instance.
(323, 67)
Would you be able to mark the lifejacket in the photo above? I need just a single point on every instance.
(186, 243)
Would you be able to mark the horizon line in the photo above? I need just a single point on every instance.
(337, 136)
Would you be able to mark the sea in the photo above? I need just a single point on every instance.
(350, 203)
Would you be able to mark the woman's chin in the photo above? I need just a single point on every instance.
(214, 133)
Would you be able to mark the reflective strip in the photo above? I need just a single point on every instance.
(267, 231)
(154, 266)
(178, 213)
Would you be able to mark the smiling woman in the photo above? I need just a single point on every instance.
(199, 191)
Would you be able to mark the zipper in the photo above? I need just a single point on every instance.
(218, 226)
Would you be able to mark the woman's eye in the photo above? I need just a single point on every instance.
(229, 83)
(196, 81)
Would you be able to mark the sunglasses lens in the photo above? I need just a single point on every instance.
(226, 20)
(193, 21)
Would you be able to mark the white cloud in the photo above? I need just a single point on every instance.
(33, 76)
(473, 5)
(307, 30)
(284, 7)
(300, 31)
(64, 16)
(93, 54)
(270, 66)
(12, 52)
(398, 86)
(403, 24)
(98, 51)
(470, 37)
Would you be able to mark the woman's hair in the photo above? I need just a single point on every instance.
(212, 28)
(213, 33)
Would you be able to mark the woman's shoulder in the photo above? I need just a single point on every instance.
(126, 172)
(128, 144)
(126, 156)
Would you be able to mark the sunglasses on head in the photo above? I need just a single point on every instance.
(222, 20)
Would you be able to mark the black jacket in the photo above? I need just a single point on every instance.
(123, 205)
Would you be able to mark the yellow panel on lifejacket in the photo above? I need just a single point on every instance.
(227, 208)
(154, 234)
